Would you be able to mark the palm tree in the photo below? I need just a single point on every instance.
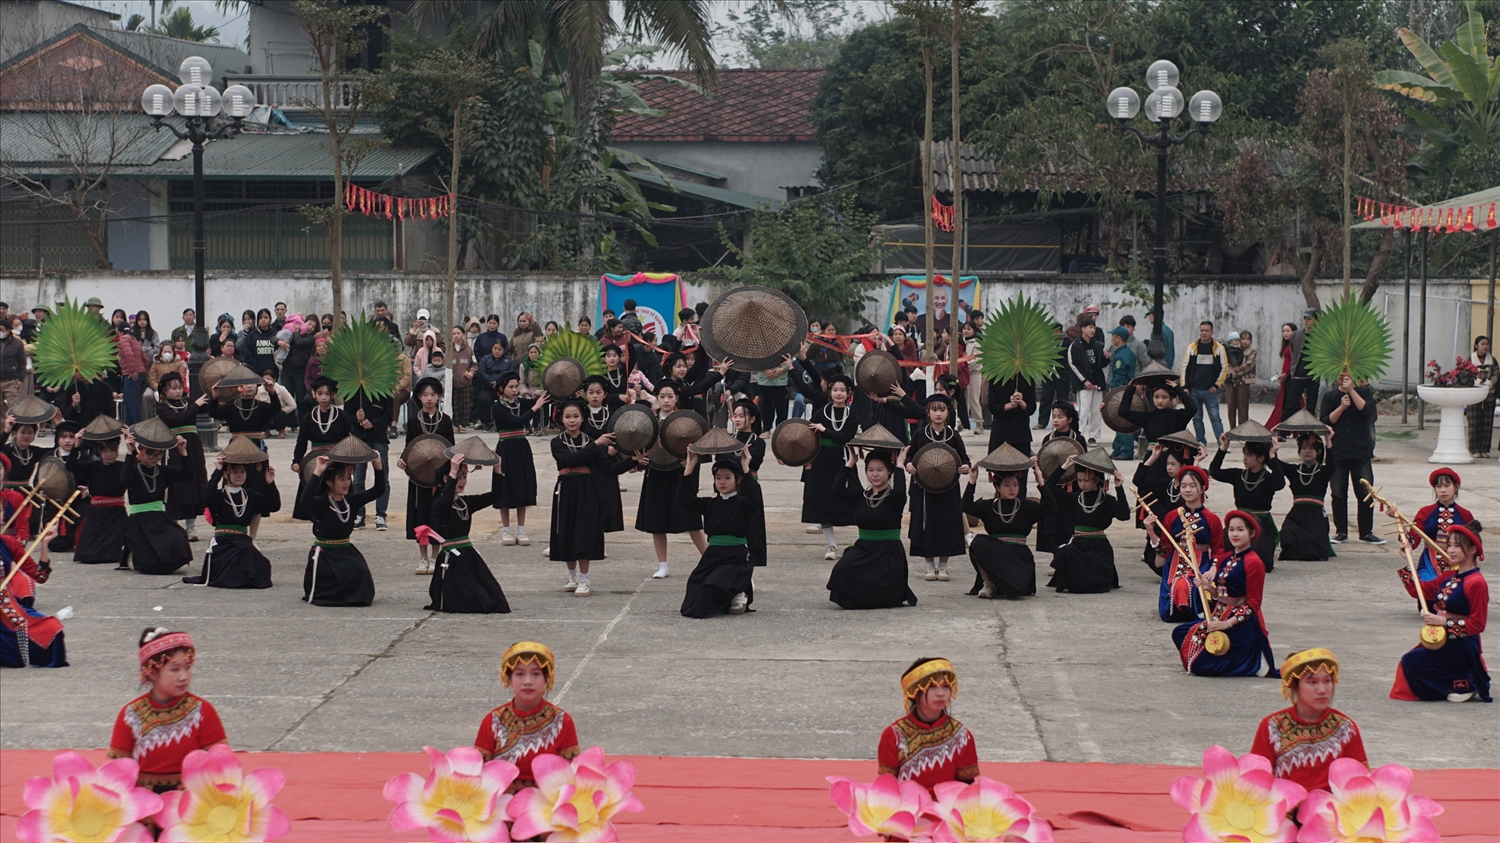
(576, 34)
(180, 24)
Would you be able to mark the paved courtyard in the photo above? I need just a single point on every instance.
(1054, 677)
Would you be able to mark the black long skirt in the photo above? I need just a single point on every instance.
(1011, 567)
(937, 523)
(819, 504)
(609, 498)
(578, 520)
(1304, 534)
(1265, 543)
(342, 575)
(463, 584)
(871, 575)
(517, 486)
(101, 538)
(233, 562)
(185, 499)
(1085, 565)
(156, 544)
(659, 510)
(418, 508)
(722, 573)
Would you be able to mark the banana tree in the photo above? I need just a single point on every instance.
(1462, 88)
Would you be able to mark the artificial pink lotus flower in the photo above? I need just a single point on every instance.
(1237, 800)
(464, 800)
(221, 803)
(986, 810)
(896, 810)
(1366, 806)
(574, 801)
(80, 804)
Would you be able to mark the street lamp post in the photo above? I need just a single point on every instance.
(199, 102)
(1163, 105)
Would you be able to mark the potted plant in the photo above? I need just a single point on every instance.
(1451, 392)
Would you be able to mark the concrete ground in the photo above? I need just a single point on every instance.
(1056, 677)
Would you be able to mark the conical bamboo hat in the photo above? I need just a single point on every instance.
(717, 441)
(474, 451)
(103, 428)
(1098, 460)
(351, 449)
(33, 410)
(877, 438)
(1005, 458)
(153, 433)
(1250, 431)
(241, 451)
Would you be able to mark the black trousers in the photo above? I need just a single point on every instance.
(1345, 473)
(773, 406)
(1047, 394)
(1305, 390)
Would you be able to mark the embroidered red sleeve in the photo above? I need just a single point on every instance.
(886, 756)
(567, 738)
(1215, 533)
(1355, 748)
(122, 741)
(1255, 580)
(485, 740)
(210, 728)
(968, 761)
(1261, 745)
(1478, 593)
(1430, 588)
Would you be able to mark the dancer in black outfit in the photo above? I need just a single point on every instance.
(937, 525)
(184, 500)
(154, 543)
(1255, 488)
(581, 510)
(833, 419)
(1086, 564)
(251, 416)
(722, 581)
(1304, 532)
(336, 572)
(233, 560)
(1003, 564)
(322, 426)
(872, 572)
(423, 418)
(462, 581)
(101, 536)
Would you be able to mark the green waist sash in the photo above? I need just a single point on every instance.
(880, 535)
(1087, 532)
(727, 541)
(512, 434)
(184, 429)
(152, 506)
(455, 544)
(231, 530)
(830, 442)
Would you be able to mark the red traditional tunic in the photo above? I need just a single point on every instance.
(1302, 752)
(928, 753)
(519, 736)
(159, 736)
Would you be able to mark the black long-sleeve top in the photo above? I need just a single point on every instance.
(1023, 513)
(242, 416)
(103, 479)
(326, 522)
(1071, 506)
(377, 413)
(822, 405)
(144, 485)
(731, 516)
(516, 415)
(22, 460)
(1155, 424)
(418, 423)
(312, 430)
(1152, 480)
(1252, 492)
(1014, 425)
(925, 435)
(451, 514)
(182, 419)
(590, 456)
(894, 413)
(757, 448)
(1352, 437)
(216, 500)
(1304, 483)
(882, 515)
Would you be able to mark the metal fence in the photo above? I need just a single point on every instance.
(278, 238)
(37, 236)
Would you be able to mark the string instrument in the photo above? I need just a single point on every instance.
(62, 514)
(1432, 637)
(1217, 642)
(26, 500)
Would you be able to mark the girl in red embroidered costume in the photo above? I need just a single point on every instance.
(28, 638)
(1460, 603)
(928, 746)
(160, 727)
(1238, 581)
(1436, 520)
(527, 725)
(1304, 739)
(1197, 531)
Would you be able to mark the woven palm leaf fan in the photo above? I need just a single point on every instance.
(74, 344)
(1019, 342)
(361, 358)
(569, 343)
(1348, 337)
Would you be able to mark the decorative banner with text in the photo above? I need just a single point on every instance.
(911, 290)
(658, 297)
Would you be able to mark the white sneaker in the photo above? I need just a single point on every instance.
(814, 528)
(380, 525)
(968, 539)
(424, 569)
(1461, 697)
(931, 575)
(572, 582)
(942, 575)
(661, 571)
(507, 538)
(1264, 670)
(988, 592)
(832, 554)
(582, 590)
(738, 603)
(522, 539)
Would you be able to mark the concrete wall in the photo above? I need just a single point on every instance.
(1259, 306)
(759, 169)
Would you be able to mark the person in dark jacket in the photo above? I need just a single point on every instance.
(257, 347)
(1086, 365)
(1348, 409)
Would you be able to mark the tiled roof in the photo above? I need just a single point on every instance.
(747, 106)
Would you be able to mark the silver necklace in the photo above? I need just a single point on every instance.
(1098, 501)
(240, 406)
(931, 433)
(839, 422)
(614, 377)
(874, 499)
(1174, 492)
(183, 405)
(1307, 476)
(238, 501)
(148, 480)
(1245, 479)
(461, 507)
(598, 415)
(341, 509)
(1000, 510)
(574, 447)
(512, 404)
(425, 425)
(23, 460)
(333, 413)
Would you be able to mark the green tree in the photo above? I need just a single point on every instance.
(180, 24)
(808, 33)
(818, 251)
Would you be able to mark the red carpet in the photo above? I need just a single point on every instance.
(337, 797)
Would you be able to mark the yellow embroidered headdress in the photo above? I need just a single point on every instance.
(927, 674)
(1298, 665)
(528, 652)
